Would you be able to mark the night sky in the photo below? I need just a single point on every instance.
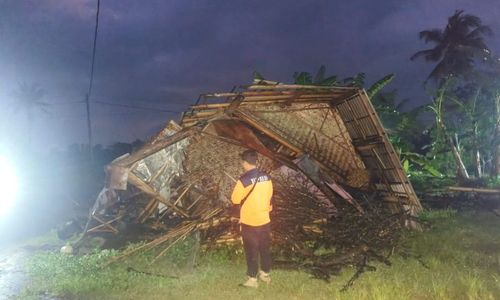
(163, 54)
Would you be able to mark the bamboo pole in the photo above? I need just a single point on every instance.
(136, 181)
(474, 190)
(148, 210)
(183, 193)
(298, 87)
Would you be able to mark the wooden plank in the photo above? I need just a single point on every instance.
(473, 190)
(287, 109)
(148, 210)
(104, 224)
(272, 93)
(137, 182)
(297, 86)
(194, 202)
(263, 100)
(267, 131)
(328, 165)
(182, 194)
(149, 149)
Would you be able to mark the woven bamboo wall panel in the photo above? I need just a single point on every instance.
(319, 131)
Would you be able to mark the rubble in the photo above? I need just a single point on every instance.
(338, 181)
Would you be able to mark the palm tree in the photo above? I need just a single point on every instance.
(28, 100)
(456, 47)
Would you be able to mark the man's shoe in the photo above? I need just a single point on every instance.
(251, 283)
(263, 276)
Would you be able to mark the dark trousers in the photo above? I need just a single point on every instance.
(257, 243)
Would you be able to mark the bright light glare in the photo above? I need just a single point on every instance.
(8, 185)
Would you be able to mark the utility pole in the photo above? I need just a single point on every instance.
(87, 98)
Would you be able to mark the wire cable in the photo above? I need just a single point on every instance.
(136, 107)
(65, 103)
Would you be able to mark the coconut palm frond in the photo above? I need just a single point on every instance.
(481, 30)
(457, 46)
(433, 35)
(429, 54)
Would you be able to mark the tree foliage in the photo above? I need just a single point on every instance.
(456, 47)
(465, 103)
(28, 100)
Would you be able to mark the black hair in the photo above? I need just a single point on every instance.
(250, 156)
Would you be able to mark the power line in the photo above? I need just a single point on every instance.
(156, 109)
(103, 114)
(131, 103)
(136, 107)
(66, 102)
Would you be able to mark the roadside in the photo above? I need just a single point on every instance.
(12, 274)
(13, 258)
(456, 257)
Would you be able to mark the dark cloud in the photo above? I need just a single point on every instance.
(164, 53)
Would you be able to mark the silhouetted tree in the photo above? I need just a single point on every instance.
(27, 98)
(455, 47)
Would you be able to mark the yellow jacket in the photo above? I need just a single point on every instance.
(256, 208)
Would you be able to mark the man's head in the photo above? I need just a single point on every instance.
(249, 159)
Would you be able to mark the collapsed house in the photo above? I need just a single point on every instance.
(325, 145)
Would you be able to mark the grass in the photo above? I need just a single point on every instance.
(49, 238)
(461, 251)
(434, 215)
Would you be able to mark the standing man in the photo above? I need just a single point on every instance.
(256, 189)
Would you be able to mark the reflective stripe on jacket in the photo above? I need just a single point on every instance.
(255, 210)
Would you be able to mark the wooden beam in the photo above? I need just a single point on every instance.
(298, 87)
(183, 193)
(148, 210)
(104, 224)
(473, 190)
(267, 131)
(149, 149)
(137, 182)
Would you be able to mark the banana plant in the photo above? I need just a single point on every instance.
(305, 78)
(416, 159)
(357, 80)
(437, 107)
(379, 85)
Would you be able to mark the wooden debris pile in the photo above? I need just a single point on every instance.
(309, 233)
(341, 195)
